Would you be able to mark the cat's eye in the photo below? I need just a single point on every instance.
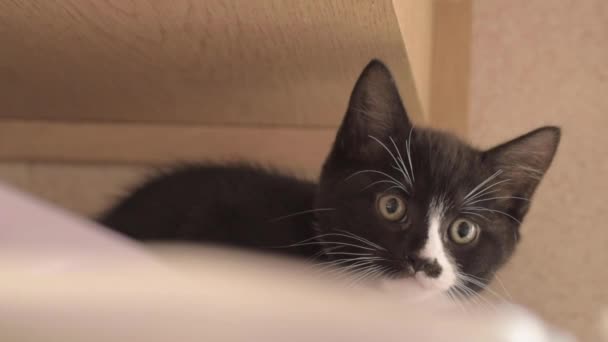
(391, 207)
(463, 231)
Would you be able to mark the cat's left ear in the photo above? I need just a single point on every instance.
(375, 111)
(524, 160)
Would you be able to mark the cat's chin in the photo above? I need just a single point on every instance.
(409, 288)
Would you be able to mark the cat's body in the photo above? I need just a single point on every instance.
(240, 205)
(393, 201)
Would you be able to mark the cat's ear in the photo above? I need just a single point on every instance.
(375, 111)
(523, 161)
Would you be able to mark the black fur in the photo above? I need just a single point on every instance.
(244, 206)
(234, 204)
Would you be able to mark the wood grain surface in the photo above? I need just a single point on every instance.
(451, 65)
(271, 62)
(300, 149)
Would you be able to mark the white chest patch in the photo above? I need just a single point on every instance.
(434, 249)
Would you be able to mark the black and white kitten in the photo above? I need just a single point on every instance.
(394, 201)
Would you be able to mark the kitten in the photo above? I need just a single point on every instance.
(394, 201)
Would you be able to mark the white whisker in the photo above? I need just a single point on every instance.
(499, 197)
(362, 275)
(357, 262)
(475, 214)
(408, 144)
(405, 175)
(301, 213)
(503, 287)
(385, 181)
(346, 253)
(327, 243)
(324, 251)
(378, 172)
(350, 269)
(486, 181)
(402, 163)
(480, 284)
(493, 211)
(459, 298)
(310, 239)
(362, 239)
(486, 190)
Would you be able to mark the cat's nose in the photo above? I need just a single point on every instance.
(417, 263)
(430, 268)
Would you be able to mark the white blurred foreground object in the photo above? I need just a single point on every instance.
(65, 279)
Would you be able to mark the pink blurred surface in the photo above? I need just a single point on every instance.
(47, 237)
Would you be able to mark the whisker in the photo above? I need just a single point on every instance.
(362, 275)
(504, 288)
(335, 263)
(378, 273)
(480, 300)
(385, 181)
(362, 239)
(326, 243)
(495, 198)
(485, 191)
(310, 239)
(375, 171)
(459, 298)
(469, 298)
(493, 211)
(472, 294)
(391, 188)
(346, 253)
(481, 285)
(301, 213)
(486, 181)
(480, 195)
(350, 269)
(475, 214)
(350, 235)
(473, 276)
(323, 251)
(375, 273)
(393, 156)
(338, 261)
(408, 145)
(402, 165)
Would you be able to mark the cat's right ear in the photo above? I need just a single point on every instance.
(375, 111)
(523, 162)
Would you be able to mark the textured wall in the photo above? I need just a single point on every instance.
(546, 62)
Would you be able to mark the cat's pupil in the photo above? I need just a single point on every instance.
(464, 228)
(392, 205)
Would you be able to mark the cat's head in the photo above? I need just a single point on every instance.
(410, 202)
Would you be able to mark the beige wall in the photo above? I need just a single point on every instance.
(546, 62)
(415, 19)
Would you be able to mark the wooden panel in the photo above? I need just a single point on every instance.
(450, 75)
(86, 189)
(415, 19)
(295, 148)
(274, 62)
